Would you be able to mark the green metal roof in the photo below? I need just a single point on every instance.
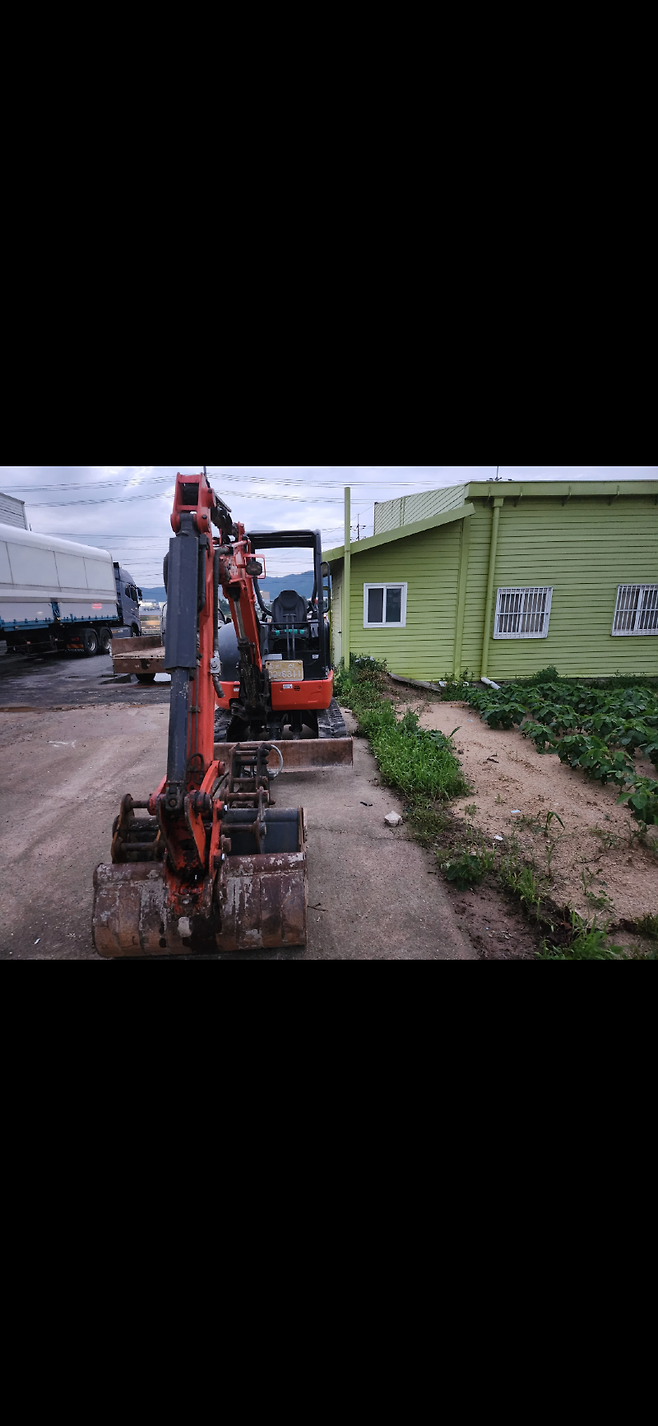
(359, 547)
(481, 489)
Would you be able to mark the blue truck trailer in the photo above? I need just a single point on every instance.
(57, 594)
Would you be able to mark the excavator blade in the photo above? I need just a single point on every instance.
(304, 754)
(260, 904)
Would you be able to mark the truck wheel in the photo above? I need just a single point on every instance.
(90, 642)
(105, 639)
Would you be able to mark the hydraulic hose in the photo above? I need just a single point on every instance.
(215, 663)
(260, 597)
(215, 604)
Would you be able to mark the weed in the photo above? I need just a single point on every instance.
(551, 845)
(520, 877)
(588, 945)
(427, 821)
(471, 810)
(499, 800)
(586, 878)
(528, 887)
(456, 689)
(545, 675)
(648, 926)
(608, 839)
(599, 898)
(466, 868)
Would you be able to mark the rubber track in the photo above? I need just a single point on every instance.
(222, 720)
(331, 723)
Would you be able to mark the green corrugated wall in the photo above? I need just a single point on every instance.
(429, 564)
(584, 549)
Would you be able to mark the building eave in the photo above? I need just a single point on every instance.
(360, 547)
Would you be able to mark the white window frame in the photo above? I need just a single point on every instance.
(386, 585)
(645, 610)
(526, 610)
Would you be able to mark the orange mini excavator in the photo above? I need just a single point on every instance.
(214, 866)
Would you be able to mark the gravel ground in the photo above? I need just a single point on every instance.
(72, 681)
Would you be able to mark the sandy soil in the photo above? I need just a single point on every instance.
(508, 776)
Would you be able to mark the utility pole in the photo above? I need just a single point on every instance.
(345, 601)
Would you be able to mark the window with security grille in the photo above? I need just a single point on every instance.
(523, 613)
(637, 609)
(384, 605)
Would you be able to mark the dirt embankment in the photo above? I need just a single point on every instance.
(594, 861)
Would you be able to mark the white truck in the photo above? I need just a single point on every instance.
(57, 594)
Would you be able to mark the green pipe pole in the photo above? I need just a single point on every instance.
(461, 596)
(490, 587)
(346, 609)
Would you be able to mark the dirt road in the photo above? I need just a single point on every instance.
(371, 892)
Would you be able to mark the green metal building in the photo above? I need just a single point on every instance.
(504, 579)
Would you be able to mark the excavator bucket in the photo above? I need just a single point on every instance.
(261, 905)
(252, 893)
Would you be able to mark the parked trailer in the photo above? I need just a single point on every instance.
(144, 657)
(57, 594)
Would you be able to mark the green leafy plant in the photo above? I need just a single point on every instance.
(642, 799)
(466, 868)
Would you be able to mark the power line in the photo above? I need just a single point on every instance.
(119, 500)
(220, 476)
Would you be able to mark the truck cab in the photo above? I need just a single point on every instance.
(128, 598)
(150, 618)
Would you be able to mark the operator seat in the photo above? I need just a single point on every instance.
(289, 609)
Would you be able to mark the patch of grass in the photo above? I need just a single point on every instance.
(471, 810)
(608, 839)
(590, 944)
(428, 821)
(417, 762)
(648, 926)
(520, 877)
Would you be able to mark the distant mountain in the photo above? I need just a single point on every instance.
(272, 585)
(303, 583)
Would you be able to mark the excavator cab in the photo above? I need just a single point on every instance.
(295, 657)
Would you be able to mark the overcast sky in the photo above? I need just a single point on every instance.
(126, 508)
